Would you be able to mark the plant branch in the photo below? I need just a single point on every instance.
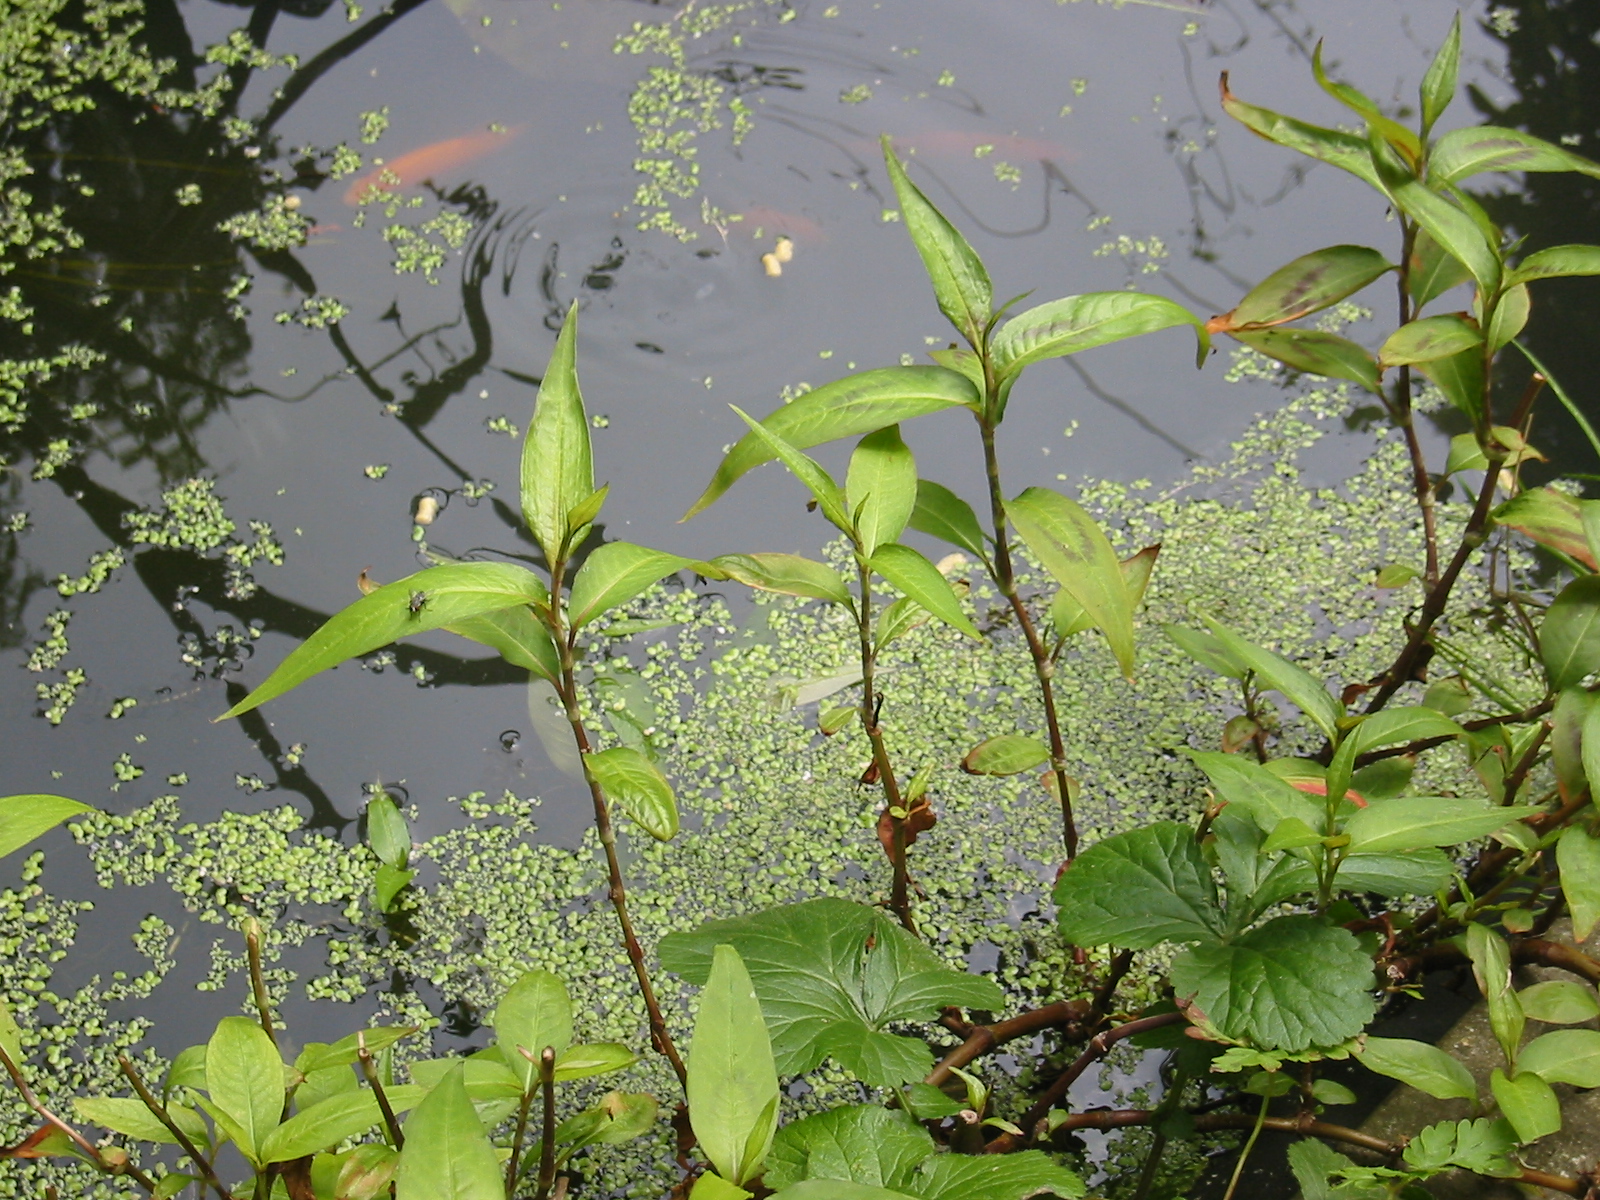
(370, 1070)
(159, 1111)
(1532, 713)
(900, 892)
(514, 1163)
(258, 982)
(547, 1146)
(979, 1040)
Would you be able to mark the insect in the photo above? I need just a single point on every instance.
(418, 599)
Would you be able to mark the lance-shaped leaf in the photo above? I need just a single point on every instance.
(960, 282)
(1560, 1002)
(1439, 82)
(23, 818)
(322, 1126)
(1412, 822)
(614, 574)
(832, 977)
(1491, 966)
(854, 405)
(534, 1013)
(1068, 617)
(1315, 352)
(244, 1081)
(1399, 726)
(1578, 857)
(1510, 315)
(1138, 889)
(881, 488)
(863, 1143)
(786, 573)
(1433, 270)
(1070, 545)
(1265, 797)
(733, 1082)
(1308, 284)
(920, 580)
(1290, 984)
(1005, 754)
(435, 597)
(1425, 1067)
(1430, 338)
(1564, 1056)
(1343, 150)
(1550, 518)
(447, 1155)
(941, 513)
(1357, 101)
(1569, 639)
(1076, 323)
(134, 1119)
(807, 470)
(1566, 744)
(521, 638)
(1453, 229)
(638, 787)
(319, 1056)
(1557, 262)
(1527, 1102)
(1208, 651)
(597, 1058)
(1461, 378)
(557, 463)
(386, 831)
(1297, 684)
(1017, 1176)
(1463, 153)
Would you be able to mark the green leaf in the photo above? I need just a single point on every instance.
(1425, 1067)
(172, 1183)
(23, 818)
(1138, 889)
(386, 831)
(1566, 746)
(1556, 262)
(244, 1079)
(1316, 353)
(319, 1056)
(1491, 966)
(895, 620)
(614, 574)
(733, 1082)
(1412, 822)
(1206, 650)
(920, 580)
(832, 976)
(807, 470)
(995, 1177)
(1483, 1146)
(1290, 984)
(598, 1058)
(837, 1189)
(450, 593)
(881, 488)
(1578, 857)
(1429, 338)
(582, 515)
(363, 1173)
(1404, 873)
(941, 513)
(1309, 284)
(1343, 150)
(447, 1155)
(854, 405)
(557, 463)
(1460, 377)
(522, 639)
(1074, 550)
(633, 782)
(1448, 225)
(10, 1035)
(1439, 83)
(1528, 1103)
(1005, 754)
(1463, 153)
(1510, 315)
(1077, 323)
(132, 1119)
(1401, 726)
(786, 573)
(1564, 1056)
(960, 282)
(534, 1013)
(711, 1186)
(1298, 685)
(1256, 791)
(389, 882)
(1560, 1002)
(322, 1126)
(1569, 639)
(1550, 518)
(1067, 616)
(1433, 270)
(862, 1143)
(1358, 102)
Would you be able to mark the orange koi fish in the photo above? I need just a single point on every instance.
(432, 162)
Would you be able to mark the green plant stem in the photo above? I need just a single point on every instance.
(1249, 1145)
(370, 1069)
(1043, 667)
(514, 1163)
(258, 982)
(547, 1146)
(900, 891)
(159, 1111)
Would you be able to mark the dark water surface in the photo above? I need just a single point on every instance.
(1112, 165)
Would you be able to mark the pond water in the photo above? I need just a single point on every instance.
(1080, 146)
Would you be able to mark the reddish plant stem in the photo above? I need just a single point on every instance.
(900, 891)
(1530, 950)
(1532, 713)
(159, 1111)
(1401, 413)
(369, 1069)
(981, 1039)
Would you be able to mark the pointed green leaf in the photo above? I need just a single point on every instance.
(941, 513)
(712, 1186)
(1315, 352)
(638, 787)
(964, 362)
(1309, 284)
(1453, 229)
(1018, 1176)
(10, 1035)
(319, 1056)
(1256, 791)
(733, 1082)
(244, 1078)
(1564, 1056)
(1433, 270)
(1290, 984)
(960, 282)
(1578, 856)
(1425, 1067)
(1074, 550)
(387, 833)
(132, 1119)
(863, 1143)
(1343, 150)
(837, 1189)
(1557, 262)
(1528, 1103)
(583, 514)
(854, 405)
(1399, 726)
(1491, 966)
(598, 1058)
(1439, 83)
(23, 818)
(1298, 685)
(1461, 378)
(1429, 338)
(786, 573)
(522, 639)
(1206, 650)
(1550, 518)
(614, 574)
(1138, 889)
(920, 580)
(1566, 742)
(1412, 822)
(1463, 153)
(557, 463)
(881, 488)
(430, 599)
(1569, 639)
(447, 1155)
(1510, 316)
(1068, 617)
(389, 882)
(897, 619)
(322, 1126)
(1358, 102)
(534, 1013)
(1007, 754)
(1076, 323)
(1560, 1002)
(807, 470)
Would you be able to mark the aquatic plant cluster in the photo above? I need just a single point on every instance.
(932, 818)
